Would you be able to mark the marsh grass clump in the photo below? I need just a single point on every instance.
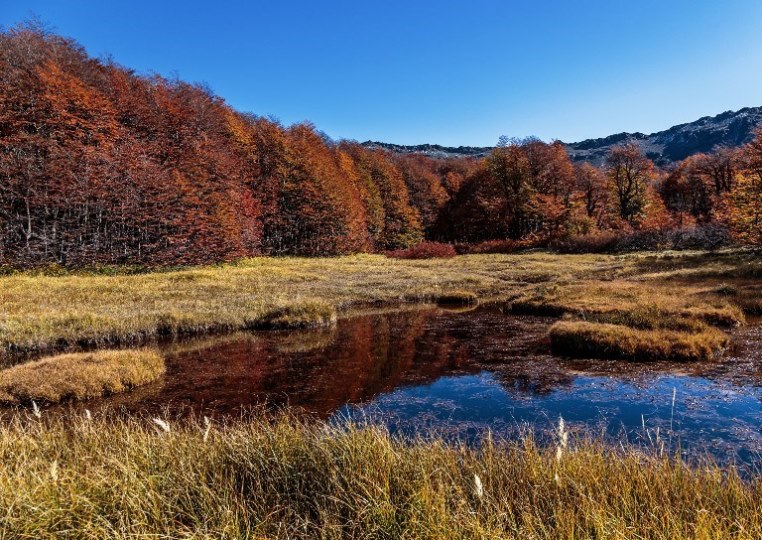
(629, 303)
(308, 314)
(79, 376)
(613, 341)
(457, 298)
(282, 478)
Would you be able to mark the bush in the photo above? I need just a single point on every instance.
(706, 237)
(601, 242)
(425, 250)
(491, 247)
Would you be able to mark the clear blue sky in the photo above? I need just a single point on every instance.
(437, 71)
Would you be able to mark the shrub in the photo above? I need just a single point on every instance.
(425, 250)
(601, 242)
(79, 376)
(705, 237)
(491, 247)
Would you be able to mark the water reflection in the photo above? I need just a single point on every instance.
(462, 373)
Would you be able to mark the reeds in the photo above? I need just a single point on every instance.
(258, 478)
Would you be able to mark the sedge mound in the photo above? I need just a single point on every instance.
(79, 376)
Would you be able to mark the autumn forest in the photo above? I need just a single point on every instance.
(100, 165)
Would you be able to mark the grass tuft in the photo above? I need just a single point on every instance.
(311, 314)
(285, 479)
(611, 341)
(79, 376)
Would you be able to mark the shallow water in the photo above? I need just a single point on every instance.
(460, 373)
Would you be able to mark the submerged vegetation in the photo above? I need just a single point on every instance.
(286, 479)
(79, 376)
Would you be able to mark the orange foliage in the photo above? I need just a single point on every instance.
(100, 165)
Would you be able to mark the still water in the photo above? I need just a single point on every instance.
(461, 373)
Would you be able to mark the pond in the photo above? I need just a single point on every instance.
(459, 373)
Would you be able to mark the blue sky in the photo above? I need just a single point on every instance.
(436, 71)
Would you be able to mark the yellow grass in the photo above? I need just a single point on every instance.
(283, 479)
(597, 340)
(39, 312)
(79, 376)
(259, 478)
(46, 312)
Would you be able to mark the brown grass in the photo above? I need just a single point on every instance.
(64, 311)
(283, 479)
(310, 314)
(653, 304)
(41, 313)
(611, 341)
(79, 376)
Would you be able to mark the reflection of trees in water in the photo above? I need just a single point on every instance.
(740, 366)
(362, 357)
(318, 370)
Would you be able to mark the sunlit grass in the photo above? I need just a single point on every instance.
(613, 341)
(41, 312)
(284, 479)
(79, 376)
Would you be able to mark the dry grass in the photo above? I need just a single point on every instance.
(308, 314)
(259, 478)
(79, 376)
(283, 479)
(41, 312)
(457, 298)
(657, 307)
(647, 305)
(601, 340)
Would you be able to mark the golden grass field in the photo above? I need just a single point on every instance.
(79, 376)
(104, 479)
(77, 477)
(41, 312)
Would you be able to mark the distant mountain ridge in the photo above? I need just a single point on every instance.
(729, 129)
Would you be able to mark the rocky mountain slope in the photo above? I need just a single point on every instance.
(729, 129)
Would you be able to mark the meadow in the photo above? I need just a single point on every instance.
(82, 476)
(56, 310)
